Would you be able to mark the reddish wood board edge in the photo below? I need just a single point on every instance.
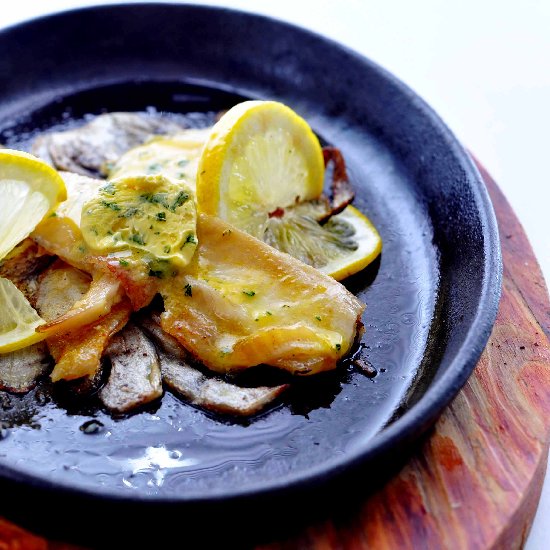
(475, 482)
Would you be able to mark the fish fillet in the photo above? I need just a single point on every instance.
(210, 393)
(242, 303)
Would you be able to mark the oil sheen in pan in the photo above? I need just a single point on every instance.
(172, 447)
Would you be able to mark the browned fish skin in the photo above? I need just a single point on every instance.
(86, 150)
(135, 372)
(78, 353)
(60, 286)
(342, 192)
(23, 265)
(212, 394)
(20, 370)
(168, 343)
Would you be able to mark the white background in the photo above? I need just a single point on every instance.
(484, 66)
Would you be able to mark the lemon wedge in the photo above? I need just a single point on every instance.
(30, 190)
(259, 156)
(18, 320)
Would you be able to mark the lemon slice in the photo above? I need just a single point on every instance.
(30, 190)
(364, 244)
(262, 170)
(344, 245)
(18, 320)
(260, 156)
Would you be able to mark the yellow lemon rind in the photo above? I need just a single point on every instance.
(370, 247)
(229, 128)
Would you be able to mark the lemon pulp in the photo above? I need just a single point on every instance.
(18, 320)
(30, 190)
(259, 156)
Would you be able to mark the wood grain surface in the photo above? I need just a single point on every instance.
(476, 481)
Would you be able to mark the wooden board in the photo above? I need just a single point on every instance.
(476, 481)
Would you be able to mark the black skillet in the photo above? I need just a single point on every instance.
(432, 297)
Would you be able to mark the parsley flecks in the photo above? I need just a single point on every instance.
(158, 273)
(226, 232)
(183, 162)
(249, 293)
(188, 290)
(129, 212)
(154, 168)
(123, 263)
(191, 239)
(156, 198)
(137, 238)
(317, 317)
(268, 313)
(112, 205)
(108, 189)
(180, 199)
(161, 216)
(166, 249)
(338, 347)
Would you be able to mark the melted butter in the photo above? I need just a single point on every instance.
(175, 157)
(152, 216)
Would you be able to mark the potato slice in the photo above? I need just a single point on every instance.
(135, 372)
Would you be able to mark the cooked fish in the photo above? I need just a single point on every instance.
(80, 189)
(77, 353)
(210, 393)
(135, 372)
(20, 370)
(87, 150)
(341, 191)
(60, 286)
(242, 303)
(23, 265)
(103, 293)
(67, 299)
(60, 236)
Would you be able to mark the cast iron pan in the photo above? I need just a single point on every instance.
(432, 297)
